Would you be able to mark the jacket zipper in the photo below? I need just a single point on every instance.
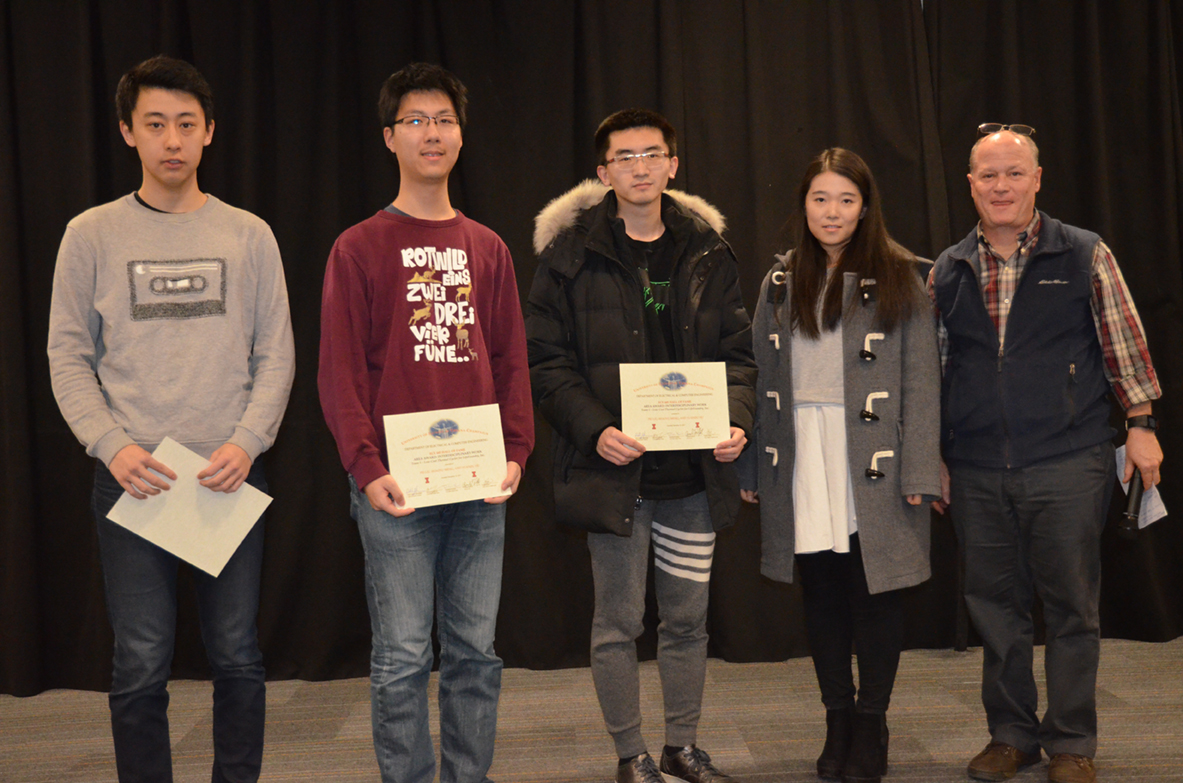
(692, 301)
(1001, 397)
(1071, 393)
(1002, 400)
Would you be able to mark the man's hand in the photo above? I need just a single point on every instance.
(940, 506)
(228, 468)
(513, 474)
(729, 450)
(750, 495)
(1141, 450)
(618, 448)
(384, 495)
(132, 467)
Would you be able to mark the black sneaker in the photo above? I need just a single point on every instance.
(693, 765)
(642, 769)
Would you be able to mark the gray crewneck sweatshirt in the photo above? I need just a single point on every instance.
(170, 325)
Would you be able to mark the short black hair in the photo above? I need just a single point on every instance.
(421, 77)
(166, 73)
(633, 118)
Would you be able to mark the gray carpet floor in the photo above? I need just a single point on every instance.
(762, 723)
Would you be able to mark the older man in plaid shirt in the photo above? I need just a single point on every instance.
(1036, 327)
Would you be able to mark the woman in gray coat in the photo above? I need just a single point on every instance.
(846, 451)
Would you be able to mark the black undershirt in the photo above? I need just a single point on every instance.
(149, 206)
(653, 262)
(665, 475)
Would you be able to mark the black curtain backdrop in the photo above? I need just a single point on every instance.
(755, 89)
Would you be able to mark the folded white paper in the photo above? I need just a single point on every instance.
(198, 525)
(1153, 508)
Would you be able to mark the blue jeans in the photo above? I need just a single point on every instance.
(446, 559)
(140, 582)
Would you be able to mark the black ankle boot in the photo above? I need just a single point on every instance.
(867, 762)
(837, 747)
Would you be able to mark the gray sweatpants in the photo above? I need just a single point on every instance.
(683, 547)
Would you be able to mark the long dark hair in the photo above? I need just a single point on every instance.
(871, 253)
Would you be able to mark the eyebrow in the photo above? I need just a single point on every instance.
(651, 148)
(826, 192)
(162, 114)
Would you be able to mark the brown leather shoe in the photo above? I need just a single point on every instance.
(1070, 768)
(999, 761)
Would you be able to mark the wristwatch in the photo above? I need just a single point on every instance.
(1145, 420)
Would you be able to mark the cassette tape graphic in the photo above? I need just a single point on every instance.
(192, 288)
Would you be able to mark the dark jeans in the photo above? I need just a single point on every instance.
(841, 613)
(1037, 528)
(140, 581)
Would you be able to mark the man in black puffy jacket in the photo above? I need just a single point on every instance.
(632, 273)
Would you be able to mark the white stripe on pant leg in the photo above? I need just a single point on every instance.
(681, 572)
(700, 548)
(688, 549)
(672, 533)
(693, 562)
(697, 565)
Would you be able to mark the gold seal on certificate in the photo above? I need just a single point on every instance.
(447, 456)
(673, 406)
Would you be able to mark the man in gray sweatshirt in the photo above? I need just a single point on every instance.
(170, 319)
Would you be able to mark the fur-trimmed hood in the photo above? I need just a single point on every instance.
(563, 212)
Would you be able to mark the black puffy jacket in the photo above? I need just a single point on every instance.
(585, 316)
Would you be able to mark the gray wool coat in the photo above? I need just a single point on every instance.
(894, 535)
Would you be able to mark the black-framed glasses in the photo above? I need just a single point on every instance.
(986, 128)
(649, 160)
(420, 121)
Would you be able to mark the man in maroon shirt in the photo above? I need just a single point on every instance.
(410, 298)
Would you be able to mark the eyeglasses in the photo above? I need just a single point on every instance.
(649, 160)
(422, 121)
(986, 128)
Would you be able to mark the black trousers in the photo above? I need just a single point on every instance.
(842, 617)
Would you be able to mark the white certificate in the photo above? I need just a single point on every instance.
(198, 525)
(447, 456)
(675, 406)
